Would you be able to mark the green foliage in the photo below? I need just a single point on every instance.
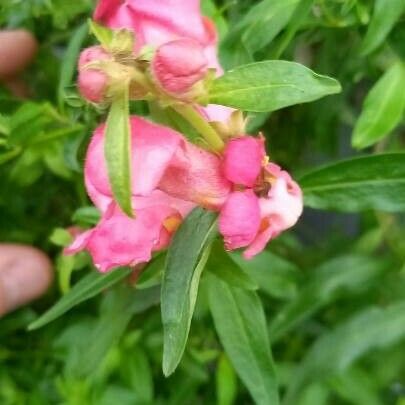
(180, 282)
(358, 184)
(383, 108)
(326, 299)
(241, 325)
(271, 85)
(118, 150)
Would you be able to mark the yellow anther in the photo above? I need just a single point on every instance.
(172, 223)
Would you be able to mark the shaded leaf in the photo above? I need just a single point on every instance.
(186, 258)
(116, 311)
(337, 276)
(227, 270)
(273, 274)
(368, 182)
(372, 328)
(88, 287)
(383, 19)
(241, 325)
(383, 108)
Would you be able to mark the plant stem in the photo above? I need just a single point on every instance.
(201, 125)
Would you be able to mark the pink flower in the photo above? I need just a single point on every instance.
(169, 176)
(161, 159)
(122, 241)
(92, 82)
(156, 22)
(178, 65)
(153, 147)
(271, 203)
(196, 175)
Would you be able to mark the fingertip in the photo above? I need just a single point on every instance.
(25, 274)
(17, 49)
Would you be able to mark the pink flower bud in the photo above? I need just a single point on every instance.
(92, 82)
(178, 65)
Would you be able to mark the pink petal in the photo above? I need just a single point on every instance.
(155, 21)
(243, 159)
(178, 65)
(153, 147)
(239, 219)
(122, 241)
(260, 242)
(279, 211)
(284, 203)
(114, 14)
(195, 174)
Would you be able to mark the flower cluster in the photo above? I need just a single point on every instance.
(169, 56)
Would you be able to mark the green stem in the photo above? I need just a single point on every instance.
(201, 125)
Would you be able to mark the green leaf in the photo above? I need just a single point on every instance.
(88, 287)
(383, 19)
(369, 182)
(117, 150)
(383, 108)
(297, 18)
(103, 34)
(227, 270)
(136, 370)
(86, 215)
(371, 329)
(270, 85)
(117, 309)
(226, 382)
(329, 281)
(241, 325)
(68, 67)
(274, 275)
(186, 258)
(257, 28)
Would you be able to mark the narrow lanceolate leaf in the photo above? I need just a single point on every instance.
(371, 329)
(241, 325)
(88, 287)
(369, 182)
(385, 15)
(185, 261)
(270, 85)
(117, 151)
(383, 108)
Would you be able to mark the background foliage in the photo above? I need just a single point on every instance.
(333, 290)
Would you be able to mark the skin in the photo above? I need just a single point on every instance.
(25, 272)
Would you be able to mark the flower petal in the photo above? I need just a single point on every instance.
(195, 174)
(178, 65)
(279, 211)
(119, 240)
(243, 159)
(239, 219)
(153, 147)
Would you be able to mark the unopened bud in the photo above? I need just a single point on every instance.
(92, 81)
(178, 65)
